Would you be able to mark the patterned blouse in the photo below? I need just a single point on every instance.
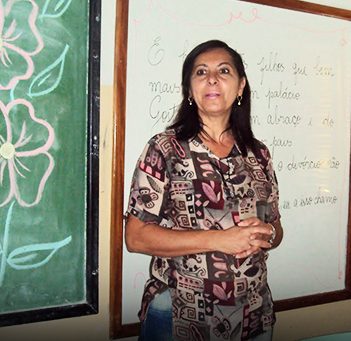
(182, 185)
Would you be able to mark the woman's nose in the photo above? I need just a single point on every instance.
(212, 78)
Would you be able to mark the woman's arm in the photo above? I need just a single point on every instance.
(160, 241)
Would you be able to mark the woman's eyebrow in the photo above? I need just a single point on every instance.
(202, 64)
(219, 65)
(225, 63)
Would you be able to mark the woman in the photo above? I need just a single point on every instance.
(204, 204)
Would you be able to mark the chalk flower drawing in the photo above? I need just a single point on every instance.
(19, 41)
(25, 164)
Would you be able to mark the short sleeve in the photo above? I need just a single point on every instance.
(149, 189)
(272, 211)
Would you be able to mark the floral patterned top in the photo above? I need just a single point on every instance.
(182, 185)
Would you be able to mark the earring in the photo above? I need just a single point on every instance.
(190, 100)
(239, 98)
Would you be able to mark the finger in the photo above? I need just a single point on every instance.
(253, 221)
(261, 229)
(259, 236)
(257, 250)
(251, 250)
(266, 237)
(260, 243)
(243, 254)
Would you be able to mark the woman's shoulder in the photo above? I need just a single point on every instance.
(260, 144)
(164, 140)
(168, 143)
(262, 151)
(162, 137)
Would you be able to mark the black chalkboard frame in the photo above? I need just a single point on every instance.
(90, 306)
(117, 328)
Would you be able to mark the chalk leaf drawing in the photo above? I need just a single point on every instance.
(26, 257)
(48, 79)
(54, 8)
(19, 41)
(34, 255)
(25, 164)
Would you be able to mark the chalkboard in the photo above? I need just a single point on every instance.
(299, 67)
(49, 107)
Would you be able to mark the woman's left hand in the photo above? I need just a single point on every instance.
(254, 221)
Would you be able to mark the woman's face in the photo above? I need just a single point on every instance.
(215, 83)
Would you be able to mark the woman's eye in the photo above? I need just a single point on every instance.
(201, 72)
(224, 70)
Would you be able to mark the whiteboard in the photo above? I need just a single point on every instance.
(298, 66)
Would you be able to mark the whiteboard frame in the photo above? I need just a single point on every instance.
(117, 328)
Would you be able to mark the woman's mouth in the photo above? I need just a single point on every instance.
(212, 95)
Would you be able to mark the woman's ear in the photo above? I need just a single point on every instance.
(242, 86)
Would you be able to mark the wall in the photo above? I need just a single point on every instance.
(291, 325)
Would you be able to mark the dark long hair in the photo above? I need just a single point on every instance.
(187, 123)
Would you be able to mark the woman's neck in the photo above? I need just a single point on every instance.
(216, 128)
(219, 143)
(216, 133)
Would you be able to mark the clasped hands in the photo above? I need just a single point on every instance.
(250, 237)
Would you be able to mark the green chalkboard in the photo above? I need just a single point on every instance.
(49, 105)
